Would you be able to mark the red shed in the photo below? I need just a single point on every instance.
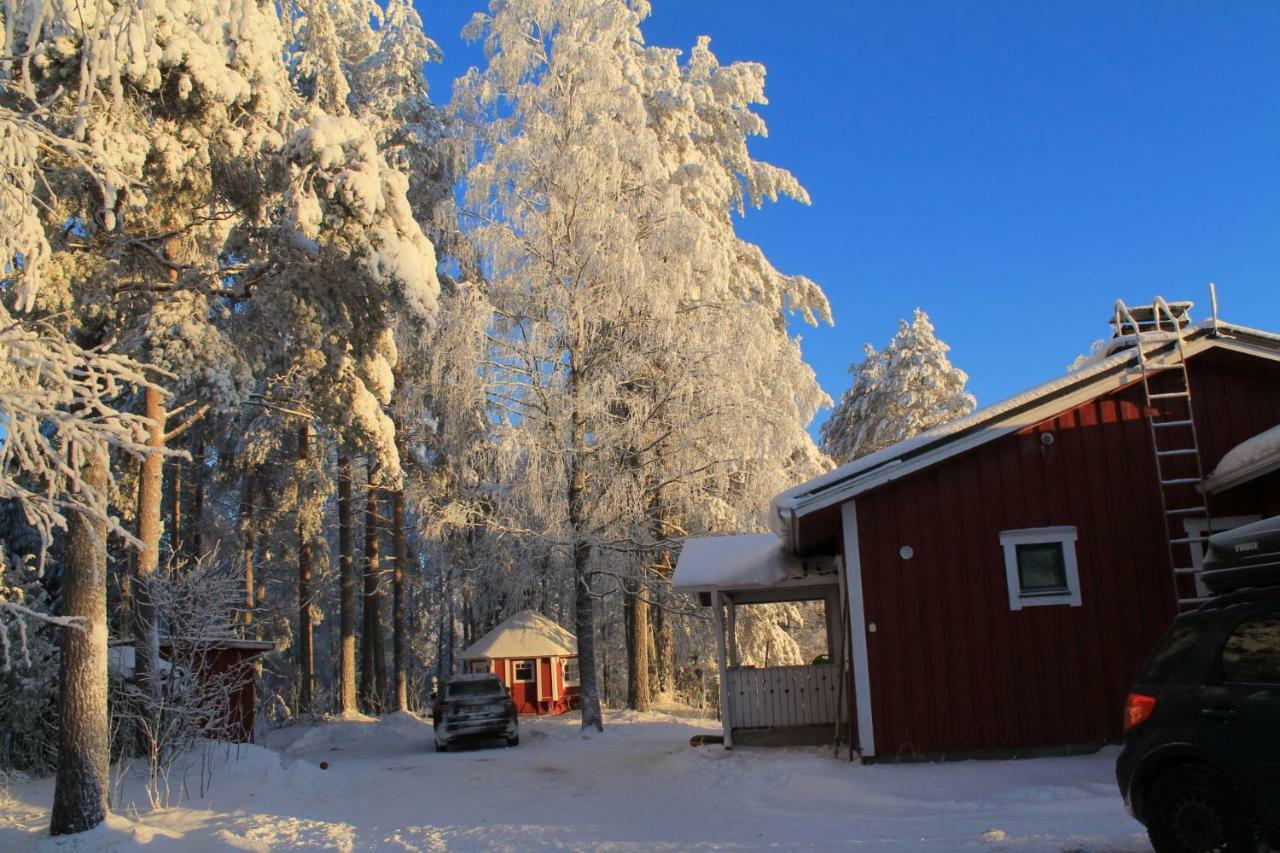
(1008, 573)
(535, 658)
(224, 663)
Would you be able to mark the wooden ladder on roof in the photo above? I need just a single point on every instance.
(1166, 387)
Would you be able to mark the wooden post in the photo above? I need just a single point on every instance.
(717, 614)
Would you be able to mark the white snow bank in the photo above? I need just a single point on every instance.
(1246, 460)
(636, 786)
(740, 561)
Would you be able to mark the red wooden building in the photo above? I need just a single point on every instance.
(535, 658)
(1007, 574)
(222, 663)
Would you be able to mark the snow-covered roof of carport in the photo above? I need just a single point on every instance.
(743, 562)
(1108, 370)
(739, 561)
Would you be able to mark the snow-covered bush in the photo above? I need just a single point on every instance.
(196, 604)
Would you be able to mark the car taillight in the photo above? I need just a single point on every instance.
(1137, 708)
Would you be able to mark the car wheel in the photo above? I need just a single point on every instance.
(1194, 810)
(514, 740)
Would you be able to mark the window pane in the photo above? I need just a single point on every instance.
(1181, 638)
(1042, 568)
(474, 688)
(1252, 653)
(524, 670)
(571, 673)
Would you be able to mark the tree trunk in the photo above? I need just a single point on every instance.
(146, 635)
(248, 543)
(637, 604)
(80, 789)
(372, 661)
(664, 646)
(347, 597)
(195, 520)
(175, 508)
(584, 612)
(306, 648)
(397, 599)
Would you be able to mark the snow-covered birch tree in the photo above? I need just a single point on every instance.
(600, 195)
(900, 391)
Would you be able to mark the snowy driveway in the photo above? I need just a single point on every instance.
(638, 786)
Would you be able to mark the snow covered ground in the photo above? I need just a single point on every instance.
(638, 786)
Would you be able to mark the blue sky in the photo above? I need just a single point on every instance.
(1010, 167)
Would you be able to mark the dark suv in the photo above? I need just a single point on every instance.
(1201, 760)
(474, 707)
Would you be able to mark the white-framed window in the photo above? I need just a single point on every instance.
(478, 666)
(571, 672)
(522, 670)
(1040, 566)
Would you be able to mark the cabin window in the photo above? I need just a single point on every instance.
(523, 670)
(571, 673)
(478, 666)
(1040, 566)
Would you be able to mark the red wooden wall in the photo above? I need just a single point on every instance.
(525, 694)
(952, 667)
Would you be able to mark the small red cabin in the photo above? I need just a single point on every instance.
(535, 658)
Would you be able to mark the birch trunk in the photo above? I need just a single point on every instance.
(80, 789)
(584, 611)
(347, 595)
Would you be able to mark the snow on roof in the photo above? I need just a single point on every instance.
(524, 635)
(740, 561)
(1246, 461)
(863, 473)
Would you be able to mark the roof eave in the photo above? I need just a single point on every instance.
(1227, 336)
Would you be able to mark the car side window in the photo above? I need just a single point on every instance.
(1163, 665)
(1252, 652)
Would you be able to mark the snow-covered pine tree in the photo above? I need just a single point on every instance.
(898, 392)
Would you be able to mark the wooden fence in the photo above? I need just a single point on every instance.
(783, 696)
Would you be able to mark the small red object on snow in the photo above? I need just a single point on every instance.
(324, 765)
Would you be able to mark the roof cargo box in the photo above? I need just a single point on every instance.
(1247, 556)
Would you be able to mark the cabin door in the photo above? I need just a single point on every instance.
(524, 686)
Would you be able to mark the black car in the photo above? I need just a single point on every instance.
(1200, 765)
(474, 707)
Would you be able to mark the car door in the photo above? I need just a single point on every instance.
(1240, 717)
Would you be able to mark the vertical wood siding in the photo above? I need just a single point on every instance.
(952, 667)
